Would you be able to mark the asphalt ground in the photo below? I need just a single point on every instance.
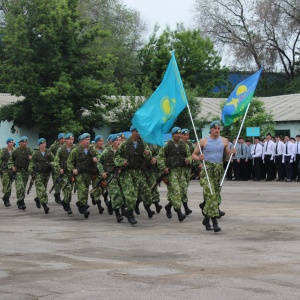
(255, 256)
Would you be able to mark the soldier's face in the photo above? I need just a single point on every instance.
(177, 136)
(185, 136)
(85, 143)
(23, 144)
(100, 143)
(42, 146)
(70, 141)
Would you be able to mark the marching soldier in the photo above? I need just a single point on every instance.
(114, 188)
(81, 161)
(133, 154)
(60, 164)
(41, 166)
(188, 170)
(173, 158)
(6, 173)
(21, 157)
(53, 148)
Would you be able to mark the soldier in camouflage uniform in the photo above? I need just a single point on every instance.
(114, 187)
(133, 154)
(6, 173)
(188, 170)
(99, 143)
(213, 148)
(21, 157)
(152, 175)
(53, 148)
(172, 159)
(81, 162)
(60, 165)
(41, 166)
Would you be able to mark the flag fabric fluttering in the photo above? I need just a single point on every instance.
(239, 99)
(157, 115)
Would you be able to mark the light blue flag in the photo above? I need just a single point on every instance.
(157, 115)
(239, 99)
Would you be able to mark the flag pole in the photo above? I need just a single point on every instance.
(235, 144)
(194, 128)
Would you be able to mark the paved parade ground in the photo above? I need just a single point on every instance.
(255, 256)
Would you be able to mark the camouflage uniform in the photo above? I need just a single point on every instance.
(20, 160)
(6, 173)
(152, 175)
(54, 148)
(172, 156)
(132, 178)
(212, 200)
(60, 162)
(85, 165)
(41, 166)
(114, 187)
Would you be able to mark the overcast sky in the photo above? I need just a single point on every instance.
(165, 12)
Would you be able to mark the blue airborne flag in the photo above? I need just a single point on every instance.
(239, 99)
(157, 115)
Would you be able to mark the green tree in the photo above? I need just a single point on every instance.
(46, 58)
(198, 62)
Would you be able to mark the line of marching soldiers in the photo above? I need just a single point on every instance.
(125, 172)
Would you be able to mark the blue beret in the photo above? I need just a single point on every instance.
(23, 138)
(92, 142)
(115, 137)
(41, 141)
(61, 136)
(184, 130)
(176, 130)
(9, 140)
(84, 136)
(214, 123)
(69, 135)
(132, 128)
(79, 138)
(109, 137)
(98, 137)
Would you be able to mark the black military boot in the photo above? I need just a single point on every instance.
(187, 209)
(21, 204)
(137, 209)
(201, 205)
(118, 215)
(221, 214)
(168, 210)
(149, 211)
(57, 198)
(100, 207)
(180, 215)
(93, 200)
(158, 207)
(123, 211)
(66, 207)
(109, 207)
(6, 201)
(37, 202)
(206, 223)
(46, 208)
(215, 224)
(83, 209)
(130, 217)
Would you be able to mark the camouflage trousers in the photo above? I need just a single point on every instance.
(152, 176)
(5, 178)
(21, 182)
(176, 186)
(133, 183)
(41, 182)
(212, 200)
(54, 177)
(66, 186)
(97, 194)
(115, 193)
(187, 175)
(82, 183)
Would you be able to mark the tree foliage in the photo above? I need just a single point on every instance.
(255, 33)
(46, 58)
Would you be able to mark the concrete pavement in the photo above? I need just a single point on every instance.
(255, 256)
